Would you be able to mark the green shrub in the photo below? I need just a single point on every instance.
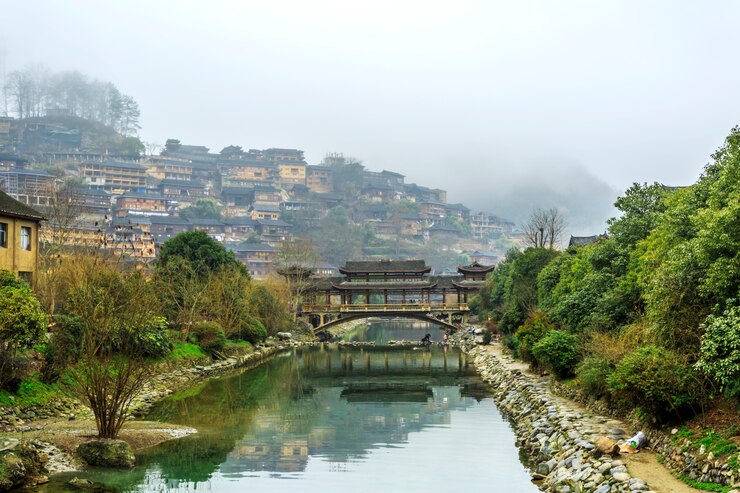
(209, 336)
(64, 346)
(719, 356)
(185, 350)
(529, 333)
(13, 369)
(253, 331)
(593, 374)
(153, 339)
(558, 351)
(487, 336)
(658, 382)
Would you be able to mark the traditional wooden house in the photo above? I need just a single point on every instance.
(214, 227)
(30, 186)
(273, 232)
(319, 179)
(114, 176)
(182, 189)
(258, 211)
(141, 204)
(258, 257)
(291, 173)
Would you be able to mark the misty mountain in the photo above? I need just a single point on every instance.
(514, 191)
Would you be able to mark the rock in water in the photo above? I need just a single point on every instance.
(107, 453)
(605, 445)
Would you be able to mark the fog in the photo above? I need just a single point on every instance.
(504, 104)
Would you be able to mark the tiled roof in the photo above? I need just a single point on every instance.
(12, 207)
(116, 164)
(354, 266)
(584, 240)
(252, 247)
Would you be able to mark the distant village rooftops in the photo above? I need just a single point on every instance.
(116, 164)
(273, 222)
(252, 247)
(141, 195)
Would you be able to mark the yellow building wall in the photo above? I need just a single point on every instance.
(292, 173)
(247, 173)
(12, 257)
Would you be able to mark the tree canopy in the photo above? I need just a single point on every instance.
(200, 251)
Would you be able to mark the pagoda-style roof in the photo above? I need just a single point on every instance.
(385, 266)
(475, 268)
(585, 240)
(295, 271)
(468, 284)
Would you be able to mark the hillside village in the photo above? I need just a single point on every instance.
(254, 202)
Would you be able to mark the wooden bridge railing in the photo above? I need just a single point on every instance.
(373, 308)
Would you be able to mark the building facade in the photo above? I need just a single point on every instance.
(19, 238)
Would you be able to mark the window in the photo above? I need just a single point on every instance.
(3, 235)
(25, 238)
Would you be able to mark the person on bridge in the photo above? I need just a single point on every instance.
(427, 339)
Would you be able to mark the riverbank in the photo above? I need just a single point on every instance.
(559, 435)
(52, 431)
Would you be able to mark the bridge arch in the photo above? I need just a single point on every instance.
(327, 326)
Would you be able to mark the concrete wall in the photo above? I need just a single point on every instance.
(12, 257)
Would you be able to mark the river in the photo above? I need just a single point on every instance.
(334, 419)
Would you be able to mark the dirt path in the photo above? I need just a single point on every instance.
(643, 465)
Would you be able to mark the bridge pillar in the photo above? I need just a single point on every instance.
(321, 318)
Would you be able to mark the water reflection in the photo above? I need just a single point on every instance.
(308, 414)
(381, 330)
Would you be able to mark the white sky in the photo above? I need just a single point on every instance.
(477, 97)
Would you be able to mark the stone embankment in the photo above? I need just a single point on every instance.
(20, 418)
(677, 455)
(165, 384)
(559, 440)
(699, 466)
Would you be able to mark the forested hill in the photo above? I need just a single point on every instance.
(69, 111)
(647, 317)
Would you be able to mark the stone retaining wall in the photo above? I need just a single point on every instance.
(677, 455)
(701, 466)
(167, 383)
(559, 440)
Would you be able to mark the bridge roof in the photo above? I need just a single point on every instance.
(349, 286)
(384, 266)
(436, 282)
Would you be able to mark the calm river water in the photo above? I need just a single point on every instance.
(334, 420)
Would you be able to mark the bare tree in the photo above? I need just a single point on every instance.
(544, 228)
(297, 262)
(111, 307)
(62, 213)
(152, 148)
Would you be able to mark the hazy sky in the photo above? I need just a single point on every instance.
(580, 98)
